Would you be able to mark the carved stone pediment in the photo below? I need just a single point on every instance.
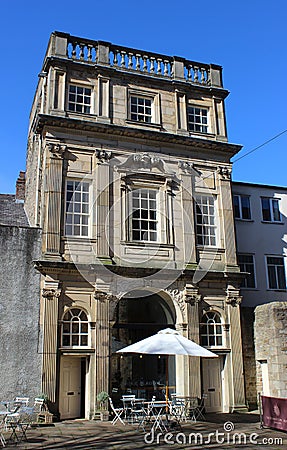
(144, 162)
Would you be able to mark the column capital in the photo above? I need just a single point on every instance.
(224, 172)
(51, 293)
(103, 156)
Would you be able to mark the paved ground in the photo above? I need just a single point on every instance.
(84, 434)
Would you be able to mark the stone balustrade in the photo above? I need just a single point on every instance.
(132, 60)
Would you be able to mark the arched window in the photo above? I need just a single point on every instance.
(211, 330)
(75, 328)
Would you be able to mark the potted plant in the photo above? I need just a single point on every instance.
(102, 399)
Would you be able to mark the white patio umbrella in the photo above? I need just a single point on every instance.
(168, 342)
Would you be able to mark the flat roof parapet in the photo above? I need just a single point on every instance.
(128, 59)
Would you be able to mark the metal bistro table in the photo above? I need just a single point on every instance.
(156, 412)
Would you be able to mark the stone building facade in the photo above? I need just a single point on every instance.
(20, 328)
(128, 176)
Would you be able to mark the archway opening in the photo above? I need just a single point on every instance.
(138, 316)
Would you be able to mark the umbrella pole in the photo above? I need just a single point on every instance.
(166, 383)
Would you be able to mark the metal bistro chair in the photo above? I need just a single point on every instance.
(199, 411)
(117, 413)
(127, 404)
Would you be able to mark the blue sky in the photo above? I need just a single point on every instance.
(247, 37)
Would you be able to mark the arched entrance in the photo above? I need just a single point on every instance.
(139, 315)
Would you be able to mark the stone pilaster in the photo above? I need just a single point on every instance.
(52, 226)
(187, 177)
(233, 301)
(50, 296)
(226, 215)
(192, 298)
(102, 202)
(102, 347)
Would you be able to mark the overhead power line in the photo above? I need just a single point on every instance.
(261, 145)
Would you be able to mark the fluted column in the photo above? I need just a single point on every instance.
(192, 298)
(52, 226)
(188, 230)
(226, 215)
(102, 348)
(50, 296)
(102, 204)
(237, 393)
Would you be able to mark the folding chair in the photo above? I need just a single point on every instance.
(2, 428)
(199, 411)
(117, 413)
(23, 400)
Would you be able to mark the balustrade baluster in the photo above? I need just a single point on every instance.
(131, 60)
(152, 59)
(116, 58)
(89, 56)
(159, 70)
(82, 54)
(195, 79)
(202, 75)
(145, 63)
(165, 70)
(189, 73)
(74, 51)
(138, 64)
(208, 76)
(123, 62)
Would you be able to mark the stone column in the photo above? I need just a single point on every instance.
(102, 347)
(102, 204)
(52, 226)
(237, 391)
(192, 298)
(226, 216)
(187, 176)
(50, 296)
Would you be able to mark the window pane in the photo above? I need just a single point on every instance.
(245, 205)
(266, 214)
(276, 213)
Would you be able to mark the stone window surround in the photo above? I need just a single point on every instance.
(71, 332)
(83, 84)
(216, 220)
(155, 106)
(73, 236)
(139, 182)
(201, 124)
(224, 327)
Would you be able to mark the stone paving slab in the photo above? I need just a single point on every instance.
(219, 431)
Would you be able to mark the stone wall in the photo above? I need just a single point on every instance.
(270, 332)
(20, 343)
(247, 326)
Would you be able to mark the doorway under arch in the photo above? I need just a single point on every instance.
(138, 315)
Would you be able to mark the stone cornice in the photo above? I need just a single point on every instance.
(43, 120)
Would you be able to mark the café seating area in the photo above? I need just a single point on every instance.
(18, 415)
(155, 414)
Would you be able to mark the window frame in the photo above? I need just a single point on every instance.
(217, 336)
(79, 86)
(149, 221)
(154, 97)
(201, 124)
(244, 268)
(71, 333)
(207, 225)
(80, 213)
(268, 278)
(272, 219)
(240, 207)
